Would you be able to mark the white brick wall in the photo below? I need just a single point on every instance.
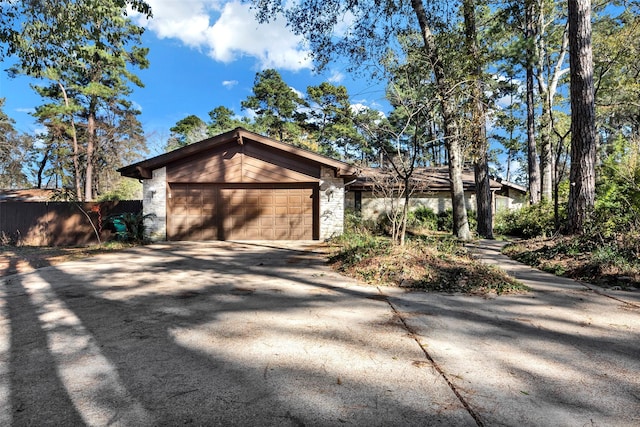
(331, 204)
(373, 207)
(154, 202)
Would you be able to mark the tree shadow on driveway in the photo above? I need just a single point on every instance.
(206, 334)
(559, 355)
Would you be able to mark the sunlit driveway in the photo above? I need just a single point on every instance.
(207, 334)
(265, 334)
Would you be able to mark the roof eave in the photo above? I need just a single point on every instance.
(144, 169)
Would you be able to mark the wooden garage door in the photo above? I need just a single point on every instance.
(211, 212)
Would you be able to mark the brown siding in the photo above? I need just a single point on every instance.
(248, 163)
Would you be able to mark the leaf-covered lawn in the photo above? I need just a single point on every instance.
(601, 264)
(433, 263)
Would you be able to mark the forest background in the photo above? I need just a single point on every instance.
(467, 84)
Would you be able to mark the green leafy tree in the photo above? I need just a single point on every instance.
(619, 190)
(14, 149)
(58, 116)
(275, 105)
(373, 30)
(186, 131)
(57, 33)
(616, 44)
(224, 119)
(86, 50)
(332, 119)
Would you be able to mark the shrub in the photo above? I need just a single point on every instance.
(357, 246)
(445, 220)
(128, 226)
(617, 208)
(423, 217)
(530, 221)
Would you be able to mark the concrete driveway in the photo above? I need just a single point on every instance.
(259, 334)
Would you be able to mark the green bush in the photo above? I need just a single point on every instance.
(423, 217)
(530, 221)
(129, 226)
(359, 245)
(617, 207)
(355, 223)
(445, 220)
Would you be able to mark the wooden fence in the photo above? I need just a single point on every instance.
(60, 223)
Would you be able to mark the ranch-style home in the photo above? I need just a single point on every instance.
(431, 189)
(243, 186)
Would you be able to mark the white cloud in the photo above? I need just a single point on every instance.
(359, 107)
(336, 77)
(229, 83)
(300, 94)
(25, 110)
(228, 30)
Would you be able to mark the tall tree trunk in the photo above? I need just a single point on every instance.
(532, 152)
(546, 171)
(583, 133)
(479, 132)
(452, 142)
(74, 139)
(91, 137)
(547, 90)
(41, 166)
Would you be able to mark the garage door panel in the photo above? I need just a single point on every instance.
(211, 212)
(180, 210)
(295, 210)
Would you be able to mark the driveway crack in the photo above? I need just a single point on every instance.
(415, 337)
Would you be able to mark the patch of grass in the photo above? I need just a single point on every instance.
(601, 263)
(434, 262)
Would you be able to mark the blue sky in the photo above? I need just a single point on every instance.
(205, 53)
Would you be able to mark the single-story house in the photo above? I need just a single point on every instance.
(242, 186)
(510, 197)
(431, 189)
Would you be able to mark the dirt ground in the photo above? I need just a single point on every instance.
(24, 259)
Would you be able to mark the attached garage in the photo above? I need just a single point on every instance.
(243, 212)
(242, 186)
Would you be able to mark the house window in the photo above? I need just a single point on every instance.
(357, 197)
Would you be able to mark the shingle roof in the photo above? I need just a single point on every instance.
(424, 179)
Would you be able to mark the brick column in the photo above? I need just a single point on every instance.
(331, 204)
(154, 202)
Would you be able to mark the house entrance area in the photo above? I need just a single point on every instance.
(242, 212)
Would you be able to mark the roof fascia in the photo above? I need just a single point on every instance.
(144, 169)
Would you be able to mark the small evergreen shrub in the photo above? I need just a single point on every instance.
(423, 217)
(445, 220)
(530, 221)
(129, 227)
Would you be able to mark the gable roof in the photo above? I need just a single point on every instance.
(508, 184)
(424, 179)
(143, 169)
